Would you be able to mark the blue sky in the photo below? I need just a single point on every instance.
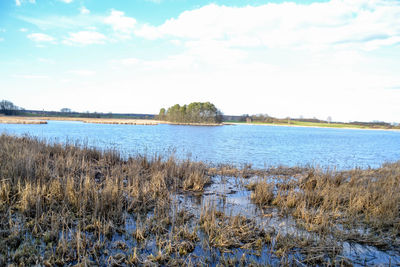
(334, 58)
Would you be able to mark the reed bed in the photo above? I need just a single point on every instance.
(62, 204)
(63, 196)
(361, 206)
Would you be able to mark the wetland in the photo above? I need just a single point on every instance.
(68, 202)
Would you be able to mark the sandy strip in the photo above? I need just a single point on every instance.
(20, 120)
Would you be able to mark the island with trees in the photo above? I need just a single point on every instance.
(202, 113)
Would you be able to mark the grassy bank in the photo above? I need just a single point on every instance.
(67, 205)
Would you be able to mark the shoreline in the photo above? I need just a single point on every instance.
(43, 120)
(191, 123)
(20, 120)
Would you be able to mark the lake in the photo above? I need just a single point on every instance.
(258, 145)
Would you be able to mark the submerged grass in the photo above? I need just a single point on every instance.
(65, 197)
(360, 206)
(66, 205)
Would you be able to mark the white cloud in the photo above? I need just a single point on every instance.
(84, 73)
(128, 61)
(84, 10)
(40, 37)
(120, 22)
(363, 23)
(19, 2)
(30, 76)
(23, 30)
(67, 1)
(64, 22)
(46, 60)
(85, 38)
(1, 39)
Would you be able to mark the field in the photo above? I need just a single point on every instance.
(64, 205)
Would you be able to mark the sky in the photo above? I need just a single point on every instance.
(338, 58)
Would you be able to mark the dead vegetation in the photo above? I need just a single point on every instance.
(66, 205)
(70, 198)
(20, 120)
(361, 206)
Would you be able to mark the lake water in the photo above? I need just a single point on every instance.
(259, 145)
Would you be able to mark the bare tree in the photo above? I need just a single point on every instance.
(8, 108)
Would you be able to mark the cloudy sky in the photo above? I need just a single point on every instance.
(285, 58)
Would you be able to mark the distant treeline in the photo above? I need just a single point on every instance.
(45, 113)
(265, 118)
(196, 112)
(372, 124)
(8, 108)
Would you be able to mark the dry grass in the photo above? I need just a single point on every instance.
(20, 120)
(339, 203)
(229, 232)
(121, 121)
(66, 196)
(65, 205)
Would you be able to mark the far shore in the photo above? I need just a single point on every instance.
(43, 120)
(128, 121)
(192, 123)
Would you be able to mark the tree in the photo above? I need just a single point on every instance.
(8, 108)
(244, 117)
(196, 112)
(162, 114)
(66, 110)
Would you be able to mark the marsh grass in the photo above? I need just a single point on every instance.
(63, 204)
(68, 197)
(361, 206)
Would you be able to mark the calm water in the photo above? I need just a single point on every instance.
(260, 145)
